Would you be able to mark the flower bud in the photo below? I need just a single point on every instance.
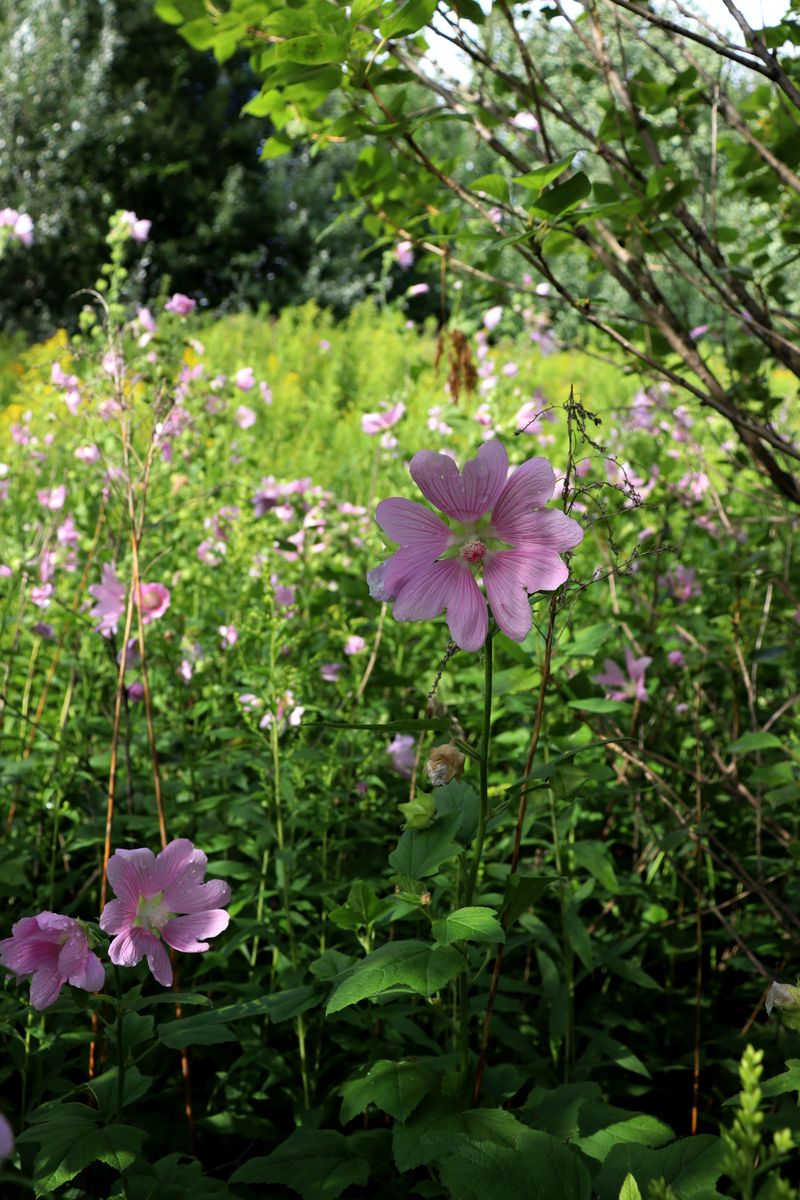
(444, 763)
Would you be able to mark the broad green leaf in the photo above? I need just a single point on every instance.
(409, 17)
(537, 180)
(691, 1166)
(472, 924)
(629, 1189)
(522, 894)
(200, 34)
(412, 964)
(312, 48)
(71, 1140)
(459, 797)
(436, 1131)
(601, 1127)
(205, 1029)
(393, 1087)
(208, 1028)
(420, 852)
(789, 1081)
(562, 198)
(420, 811)
(492, 185)
(756, 740)
(319, 1164)
(361, 909)
(104, 1088)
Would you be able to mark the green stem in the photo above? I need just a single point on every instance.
(483, 815)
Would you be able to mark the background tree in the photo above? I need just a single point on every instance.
(102, 107)
(632, 184)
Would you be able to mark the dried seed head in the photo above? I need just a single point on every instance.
(444, 763)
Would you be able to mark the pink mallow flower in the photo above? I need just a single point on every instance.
(499, 528)
(620, 686)
(155, 601)
(681, 583)
(54, 950)
(110, 594)
(244, 416)
(354, 644)
(402, 751)
(52, 498)
(372, 423)
(229, 635)
(162, 898)
(244, 379)
(330, 672)
(180, 304)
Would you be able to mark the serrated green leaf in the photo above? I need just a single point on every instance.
(394, 1087)
(562, 198)
(691, 1166)
(474, 924)
(420, 852)
(319, 1164)
(412, 965)
(629, 1189)
(312, 49)
(522, 894)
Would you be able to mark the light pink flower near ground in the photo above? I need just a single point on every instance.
(675, 658)
(620, 686)
(286, 712)
(180, 304)
(402, 751)
(162, 899)
(499, 528)
(354, 644)
(138, 227)
(6, 1139)
(229, 635)
(492, 317)
(510, 369)
(245, 417)
(110, 594)
(52, 498)
(418, 289)
(41, 594)
(155, 601)
(377, 422)
(266, 392)
(330, 672)
(53, 949)
(244, 379)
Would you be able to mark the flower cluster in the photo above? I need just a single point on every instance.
(161, 901)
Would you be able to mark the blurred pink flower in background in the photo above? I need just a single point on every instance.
(418, 289)
(52, 498)
(287, 712)
(404, 253)
(155, 601)
(152, 890)
(501, 529)
(681, 583)
(87, 454)
(620, 686)
(229, 635)
(676, 659)
(526, 121)
(244, 379)
(354, 644)
(138, 227)
(110, 594)
(180, 304)
(492, 317)
(330, 672)
(402, 751)
(244, 417)
(377, 422)
(54, 950)
(20, 224)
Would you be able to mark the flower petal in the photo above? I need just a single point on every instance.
(536, 527)
(411, 524)
(159, 964)
(117, 916)
(509, 575)
(92, 977)
(72, 958)
(446, 585)
(46, 986)
(130, 873)
(177, 860)
(468, 495)
(185, 896)
(529, 488)
(185, 933)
